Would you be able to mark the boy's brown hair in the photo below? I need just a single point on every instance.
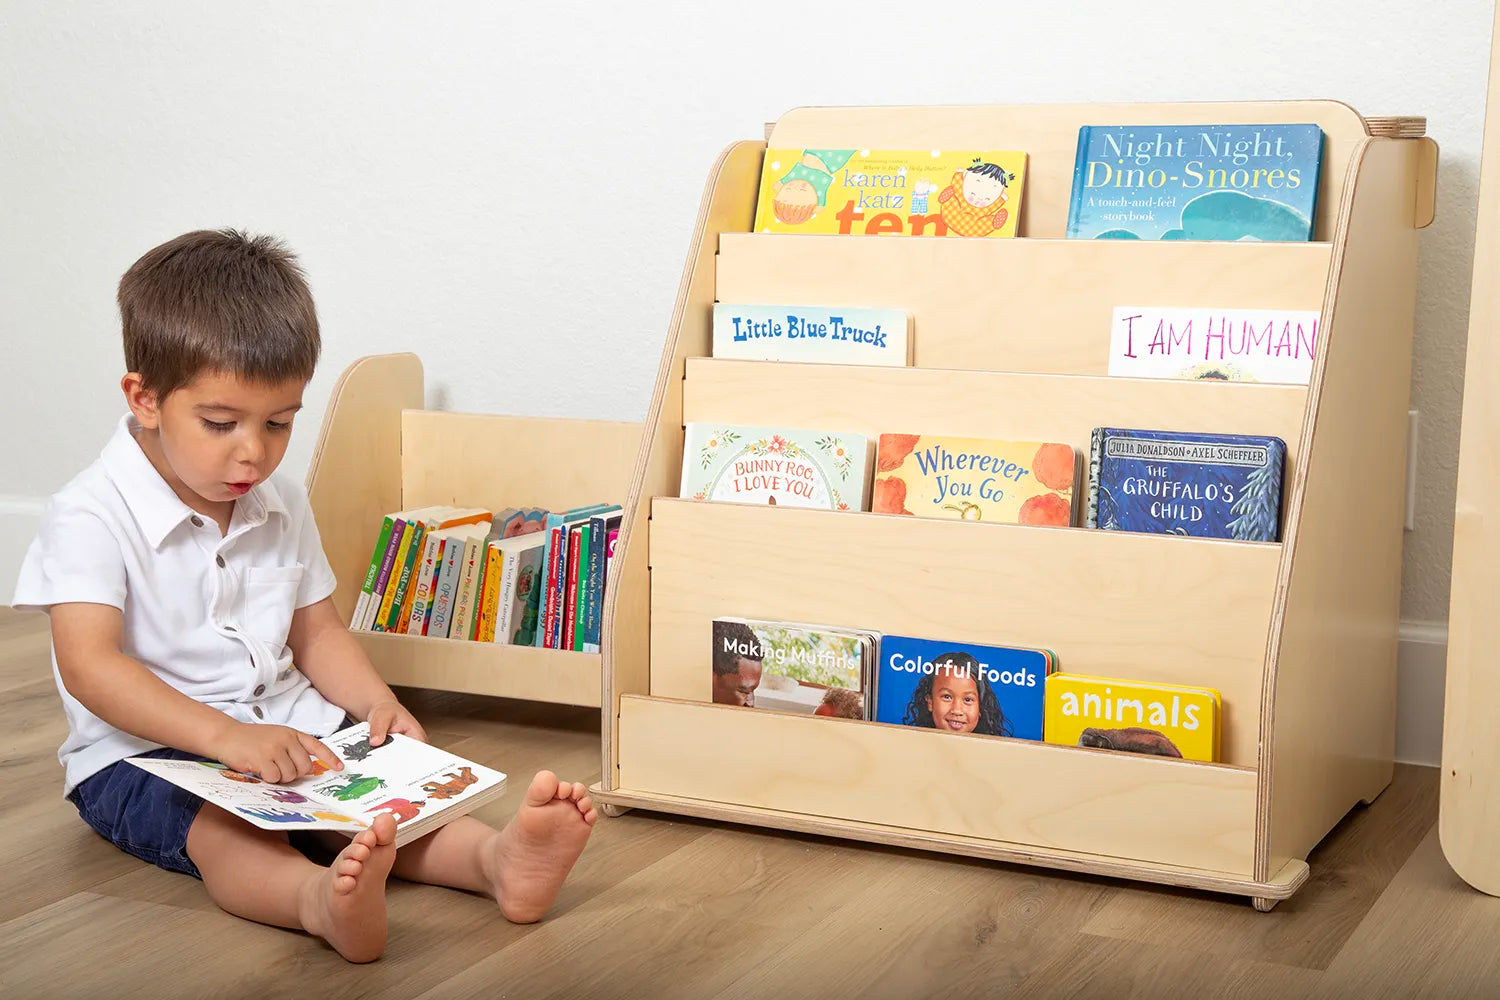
(217, 301)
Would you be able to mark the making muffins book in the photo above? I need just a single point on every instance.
(975, 479)
(807, 669)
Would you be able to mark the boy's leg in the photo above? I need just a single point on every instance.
(522, 866)
(256, 874)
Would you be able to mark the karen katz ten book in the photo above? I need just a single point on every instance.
(879, 192)
(1196, 182)
(1184, 483)
(780, 466)
(975, 479)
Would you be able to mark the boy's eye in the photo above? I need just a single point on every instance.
(278, 425)
(217, 427)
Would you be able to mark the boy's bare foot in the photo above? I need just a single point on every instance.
(345, 904)
(527, 861)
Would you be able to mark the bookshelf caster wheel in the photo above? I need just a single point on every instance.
(613, 811)
(1264, 905)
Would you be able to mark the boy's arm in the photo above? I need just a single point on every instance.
(121, 690)
(332, 659)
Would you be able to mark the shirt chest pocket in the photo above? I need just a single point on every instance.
(270, 599)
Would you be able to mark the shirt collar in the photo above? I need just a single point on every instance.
(151, 501)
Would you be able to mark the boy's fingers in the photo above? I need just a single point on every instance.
(318, 749)
(379, 723)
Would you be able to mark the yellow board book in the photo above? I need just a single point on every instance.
(1167, 720)
(975, 479)
(877, 192)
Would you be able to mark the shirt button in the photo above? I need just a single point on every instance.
(220, 561)
(229, 628)
(260, 689)
(197, 521)
(258, 713)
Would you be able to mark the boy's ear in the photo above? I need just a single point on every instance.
(143, 403)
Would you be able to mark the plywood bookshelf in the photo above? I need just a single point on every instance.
(1011, 341)
(380, 451)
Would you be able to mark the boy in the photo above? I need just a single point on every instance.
(191, 617)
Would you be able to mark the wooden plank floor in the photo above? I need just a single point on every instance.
(663, 907)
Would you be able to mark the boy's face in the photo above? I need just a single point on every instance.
(219, 435)
(739, 687)
(954, 702)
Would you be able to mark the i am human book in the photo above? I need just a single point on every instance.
(780, 466)
(975, 479)
(1196, 182)
(878, 192)
(423, 787)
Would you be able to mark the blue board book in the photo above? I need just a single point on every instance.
(1196, 182)
(1186, 483)
(961, 687)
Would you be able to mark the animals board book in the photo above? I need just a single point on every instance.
(1186, 483)
(1196, 182)
(780, 466)
(1228, 345)
(1168, 720)
(837, 335)
(876, 192)
(975, 479)
(961, 687)
(422, 786)
(793, 667)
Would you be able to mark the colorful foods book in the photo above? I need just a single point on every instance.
(961, 687)
(781, 466)
(975, 479)
(422, 786)
(1168, 720)
(792, 667)
(876, 192)
(1196, 182)
(850, 336)
(1186, 483)
(1228, 345)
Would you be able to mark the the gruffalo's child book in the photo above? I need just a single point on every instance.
(1168, 720)
(837, 335)
(877, 192)
(1186, 483)
(423, 787)
(780, 466)
(1196, 182)
(793, 667)
(961, 687)
(975, 479)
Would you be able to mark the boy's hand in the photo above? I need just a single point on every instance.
(391, 717)
(277, 754)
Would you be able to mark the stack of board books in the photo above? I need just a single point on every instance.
(955, 687)
(523, 576)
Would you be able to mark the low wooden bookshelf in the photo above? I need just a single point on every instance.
(380, 451)
(1011, 342)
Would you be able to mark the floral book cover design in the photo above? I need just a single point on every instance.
(879, 192)
(975, 479)
(779, 466)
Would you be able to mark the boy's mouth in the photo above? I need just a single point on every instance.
(240, 489)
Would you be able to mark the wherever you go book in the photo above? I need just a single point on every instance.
(975, 479)
(781, 466)
(422, 786)
(961, 687)
(1196, 182)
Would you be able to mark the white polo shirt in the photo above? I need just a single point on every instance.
(205, 612)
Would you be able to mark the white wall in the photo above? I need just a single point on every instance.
(509, 189)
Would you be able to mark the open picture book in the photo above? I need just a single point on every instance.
(421, 786)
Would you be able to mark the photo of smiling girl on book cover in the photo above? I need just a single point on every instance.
(960, 687)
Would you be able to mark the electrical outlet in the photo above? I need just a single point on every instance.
(1411, 470)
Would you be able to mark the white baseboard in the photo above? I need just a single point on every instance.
(19, 517)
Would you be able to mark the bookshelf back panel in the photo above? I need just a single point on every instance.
(1006, 791)
(482, 460)
(1003, 405)
(1145, 607)
(1048, 133)
(994, 304)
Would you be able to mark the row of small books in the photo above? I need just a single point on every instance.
(955, 687)
(1136, 182)
(1162, 482)
(522, 576)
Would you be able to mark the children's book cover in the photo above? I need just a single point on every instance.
(1196, 182)
(838, 335)
(876, 192)
(1226, 345)
(975, 479)
(792, 667)
(422, 786)
(781, 466)
(961, 687)
(1167, 720)
(1186, 483)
